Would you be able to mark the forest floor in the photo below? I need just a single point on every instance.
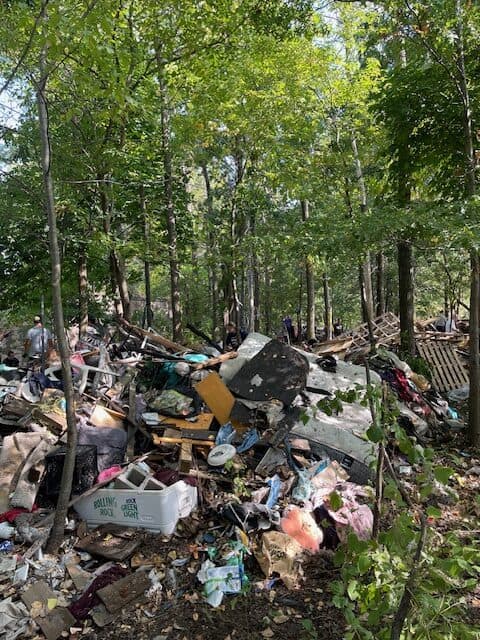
(275, 612)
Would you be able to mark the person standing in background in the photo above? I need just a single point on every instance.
(38, 340)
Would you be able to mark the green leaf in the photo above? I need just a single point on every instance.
(442, 474)
(335, 500)
(434, 512)
(352, 590)
(375, 433)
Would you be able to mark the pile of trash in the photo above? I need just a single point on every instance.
(167, 435)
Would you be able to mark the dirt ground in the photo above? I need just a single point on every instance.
(306, 613)
(270, 610)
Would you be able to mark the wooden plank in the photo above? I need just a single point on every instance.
(56, 622)
(159, 440)
(217, 396)
(38, 592)
(186, 456)
(203, 422)
(116, 595)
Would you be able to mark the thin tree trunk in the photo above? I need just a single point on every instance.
(212, 273)
(105, 207)
(366, 270)
(122, 284)
(168, 199)
(82, 292)
(148, 315)
(380, 284)
(327, 303)
(309, 281)
(406, 297)
(268, 302)
(252, 278)
(300, 307)
(405, 259)
(470, 188)
(474, 336)
(56, 534)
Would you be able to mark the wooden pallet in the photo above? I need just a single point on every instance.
(448, 372)
(386, 330)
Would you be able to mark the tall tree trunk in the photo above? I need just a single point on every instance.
(82, 292)
(366, 270)
(252, 277)
(406, 297)
(122, 284)
(380, 284)
(268, 301)
(212, 246)
(256, 295)
(327, 303)
(173, 259)
(474, 336)
(300, 307)
(405, 259)
(148, 315)
(56, 534)
(470, 188)
(105, 207)
(309, 281)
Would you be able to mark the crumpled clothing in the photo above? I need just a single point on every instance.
(11, 514)
(107, 474)
(352, 516)
(400, 384)
(250, 439)
(39, 381)
(82, 607)
(301, 526)
(170, 476)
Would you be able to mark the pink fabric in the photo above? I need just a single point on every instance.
(352, 516)
(107, 474)
(76, 358)
(301, 526)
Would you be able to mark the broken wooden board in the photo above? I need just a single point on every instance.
(154, 338)
(276, 372)
(111, 541)
(448, 372)
(217, 396)
(38, 592)
(54, 421)
(161, 440)
(192, 434)
(203, 422)
(385, 328)
(115, 596)
(58, 621)
(186, 457)
(79, 576)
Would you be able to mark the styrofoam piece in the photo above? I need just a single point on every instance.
(156, 511)
(249, 348)
(342, 432)
(346, 377)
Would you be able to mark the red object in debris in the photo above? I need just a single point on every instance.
(301, 526)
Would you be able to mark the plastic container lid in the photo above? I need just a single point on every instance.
(221, 454)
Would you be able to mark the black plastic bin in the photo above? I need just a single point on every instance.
(84, 474)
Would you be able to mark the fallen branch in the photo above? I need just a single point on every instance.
(153, 337)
